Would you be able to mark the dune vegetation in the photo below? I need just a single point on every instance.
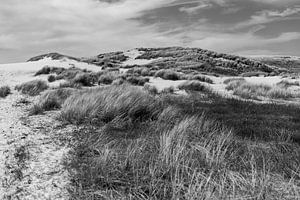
(135, 143)
(131, 140)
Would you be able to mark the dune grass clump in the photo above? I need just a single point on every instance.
(151, 89)
(109, 103)
(51, 78)
(85, 79)
(287, 84)
(135, 80)
(32, 88)
(168, 75)
(201, 78)
(4, 91)
(49, 70)
(256, 91)
(107, 78)
(51, 100)
(194, 86)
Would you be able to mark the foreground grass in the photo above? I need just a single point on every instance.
(133, 145)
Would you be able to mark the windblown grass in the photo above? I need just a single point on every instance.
(51, 100)
(109, 103)
(181, 155)
(256, 91)
(32, 88)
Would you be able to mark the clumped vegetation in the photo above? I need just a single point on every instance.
(51, 78)
(32, 88)
(132, 144)
(4, 91)
(201, 78)
(194, 86)
(168, 75)
(51, 100)
(107, 104)
(195, 60)
(257, 91)
(287, 84)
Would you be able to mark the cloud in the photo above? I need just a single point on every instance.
(89, 27)
(195, 9)
(267, 16)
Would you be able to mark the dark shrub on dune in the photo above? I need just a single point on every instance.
(4, 91)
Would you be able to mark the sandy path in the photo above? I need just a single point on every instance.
(31, 150)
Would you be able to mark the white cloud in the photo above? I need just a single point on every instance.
(267, 16)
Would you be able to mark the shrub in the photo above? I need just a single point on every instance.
(134, 80)
(49, 70)
(151, 89)
(51, 78)
(169, 90)
(85, 79)
(32, 88)
(168, 75)
(108, 103)
(201, 78)
(108, 78)
(194, 86)
(4, 91)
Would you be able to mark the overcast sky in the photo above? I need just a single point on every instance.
(89, 27)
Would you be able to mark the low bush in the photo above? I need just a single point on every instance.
(169, 90)
(201, 78)
(194, 86)
(51, 78)
(4, 91)
(32, 88)
(108, 78)
(135, 80)
(168, 75)
(85, 79)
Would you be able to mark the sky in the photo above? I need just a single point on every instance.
(89, 27)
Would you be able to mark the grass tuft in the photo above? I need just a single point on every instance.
(32, 88)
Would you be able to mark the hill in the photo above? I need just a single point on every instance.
(184, 60)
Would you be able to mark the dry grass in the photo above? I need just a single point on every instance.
(257, 91)
(109, 103)
(51, 100)
(32, 88)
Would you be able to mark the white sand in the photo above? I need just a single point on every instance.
(42, 175)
